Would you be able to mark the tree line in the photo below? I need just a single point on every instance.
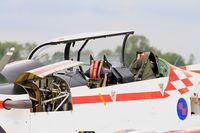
(141, 43)
(21, 50)
(137, 43)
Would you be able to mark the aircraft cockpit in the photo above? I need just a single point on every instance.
(106, 63)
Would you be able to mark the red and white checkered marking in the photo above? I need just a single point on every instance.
(180, 74)
(178, 84)
(179, 80)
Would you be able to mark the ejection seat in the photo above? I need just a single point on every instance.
(99, 73)
(144, 66)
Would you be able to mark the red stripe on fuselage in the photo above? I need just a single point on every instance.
(119, 97)
(1, 104)
(140, 96)
(90, 99)
(184, 131)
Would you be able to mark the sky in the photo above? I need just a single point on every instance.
(171, 26)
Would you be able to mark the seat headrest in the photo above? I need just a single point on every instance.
(97, 70)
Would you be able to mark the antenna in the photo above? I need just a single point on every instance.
(177, 60)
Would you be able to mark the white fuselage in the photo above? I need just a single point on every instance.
(138, 105)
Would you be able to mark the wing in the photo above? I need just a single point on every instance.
(41, 72)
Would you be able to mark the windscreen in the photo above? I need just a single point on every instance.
(50, 54)
(110, 47)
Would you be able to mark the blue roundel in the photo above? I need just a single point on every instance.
(182, 109)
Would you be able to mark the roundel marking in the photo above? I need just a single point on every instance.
(182, 109)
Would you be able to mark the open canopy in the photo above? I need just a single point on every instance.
(88, 36)
(62, 48)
